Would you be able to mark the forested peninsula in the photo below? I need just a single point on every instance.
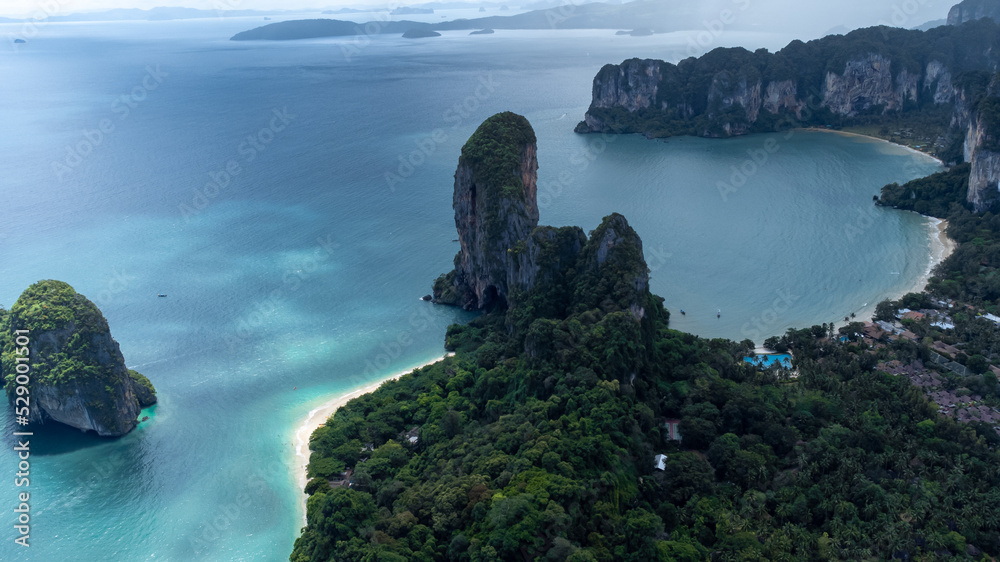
(573, 424)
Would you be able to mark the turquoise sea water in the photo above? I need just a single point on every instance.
(298, 276)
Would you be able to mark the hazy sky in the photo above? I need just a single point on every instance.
(850, 13)
(30, 7)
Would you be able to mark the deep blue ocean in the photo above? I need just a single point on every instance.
(293, 200)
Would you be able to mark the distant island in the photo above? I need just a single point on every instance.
(75, 372)
(420, 33)
(318, 28)
(483, 32)
(638, 15)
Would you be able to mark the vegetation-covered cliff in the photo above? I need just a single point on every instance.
(969, 10)
(77, 373)
(551, 435)
(934, 82)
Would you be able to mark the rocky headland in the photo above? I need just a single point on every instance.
(938, 81)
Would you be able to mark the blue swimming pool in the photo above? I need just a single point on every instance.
(765, 361)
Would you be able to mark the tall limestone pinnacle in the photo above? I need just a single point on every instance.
(77, 373)
(495, 208)
(507, 260)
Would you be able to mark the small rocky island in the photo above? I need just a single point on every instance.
(420, 33)
(77, 373)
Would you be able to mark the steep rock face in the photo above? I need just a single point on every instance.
(632, 84)
(974, 116)
(734, 101)
(977, 113)
(728, 91)
(867, 82)
(782, 95)
(973, 10)
(495, 208)
(938, 79)
(984, 179)
(841, 80)
(78, 375)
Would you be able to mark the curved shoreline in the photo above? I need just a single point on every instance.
(862, 135)
(319, 416)
(940, 248)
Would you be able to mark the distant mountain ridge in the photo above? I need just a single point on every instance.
(658, 15)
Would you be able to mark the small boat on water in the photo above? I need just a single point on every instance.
(719, 314)
(683, 313)
(161, 295)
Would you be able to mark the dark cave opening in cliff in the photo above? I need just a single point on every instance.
(492, 300)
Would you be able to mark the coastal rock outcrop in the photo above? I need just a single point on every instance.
(839, 79)
(495, 209)
(508, 261)
(77, 373)
(903, 79)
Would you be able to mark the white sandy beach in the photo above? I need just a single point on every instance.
(319, 415)
(876, 139)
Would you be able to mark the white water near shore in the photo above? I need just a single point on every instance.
(319, 416)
